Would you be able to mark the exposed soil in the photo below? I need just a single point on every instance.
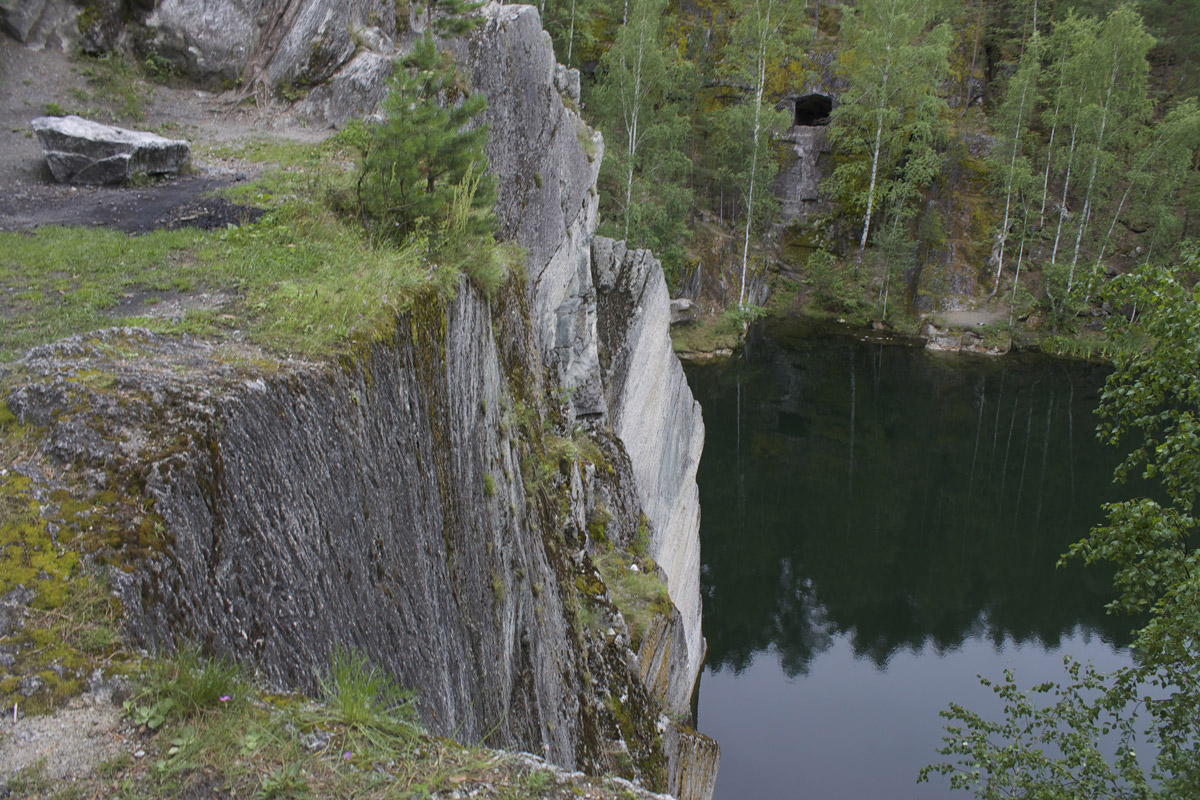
(30, 80)
(183, 202)
(69, 742)
(969, 319)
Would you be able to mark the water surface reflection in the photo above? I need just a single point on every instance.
(880, 525)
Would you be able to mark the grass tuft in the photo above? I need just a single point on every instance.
(359, 696)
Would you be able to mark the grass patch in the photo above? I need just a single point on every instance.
(1085, 347)
(636, 589)
(707, 334)
(303, 279)
(225, 736)
(282, 153)
(359, 697)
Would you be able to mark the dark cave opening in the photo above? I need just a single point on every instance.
(813, 109)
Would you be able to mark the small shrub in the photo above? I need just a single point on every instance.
(158, 68)
(423, 152)
(489, 485)
(362, 697)
(286, 781)
(183, 685)
(636, 589)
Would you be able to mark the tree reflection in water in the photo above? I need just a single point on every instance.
(900, 499)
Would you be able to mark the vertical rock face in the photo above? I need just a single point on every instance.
(379, 502)
(797, 185)
(585, 294)
(547, 161)
(207, 40)
(349, 505)
(292, 43)
(41, 23)
(654, 414)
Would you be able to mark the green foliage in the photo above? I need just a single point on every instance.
(184, 685)
(742, 316)
(636, 588)
(300, 279)
(831, 283)
(425, 148)
(1049, 743)
(115, 86)
(889, 129)
(360, 696)
(1152, 401)
(466, 243)
(285, 781)
(452, 17)
(644, 173)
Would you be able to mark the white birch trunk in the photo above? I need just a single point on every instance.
(763, 32)
(862, 244)
(1012, 166)
(1050, 146)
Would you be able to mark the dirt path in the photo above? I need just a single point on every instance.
(32, 80)
(969, 319)
(68, 743)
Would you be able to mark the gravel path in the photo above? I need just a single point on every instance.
(72, 741)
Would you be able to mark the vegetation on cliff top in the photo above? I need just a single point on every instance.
(314, 273)
(197, 726)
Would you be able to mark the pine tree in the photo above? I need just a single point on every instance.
(426, 147)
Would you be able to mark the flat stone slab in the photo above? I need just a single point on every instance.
(79, 150)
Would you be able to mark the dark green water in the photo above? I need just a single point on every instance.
(880, 525)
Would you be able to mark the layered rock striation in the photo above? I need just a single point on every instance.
(407, 500)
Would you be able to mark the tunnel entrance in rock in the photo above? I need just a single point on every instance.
(813, 109)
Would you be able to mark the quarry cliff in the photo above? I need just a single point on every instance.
(456, 499)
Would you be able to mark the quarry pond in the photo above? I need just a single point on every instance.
(880, 525)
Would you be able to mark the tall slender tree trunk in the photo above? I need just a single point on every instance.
(862, 243)
(632, 116)
(1012, 167)
(1062, 206)
(1050, 147)
(763, 32)
(571, 34)
(1087, 195)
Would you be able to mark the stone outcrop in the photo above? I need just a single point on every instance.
(86, 152)
(302, 505)
(652, 411)
(356, 90)
(694, 759)
(381, 502)
(208, 41)
(797, 186)
(547, 160)
(287, 45)
(40, 23)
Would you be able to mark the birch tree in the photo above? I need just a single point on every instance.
(637, 108)
(890, 111)
(756, 38)
(1013, 121)
(1120, 108)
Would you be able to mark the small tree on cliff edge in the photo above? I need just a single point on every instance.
(424, 151)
